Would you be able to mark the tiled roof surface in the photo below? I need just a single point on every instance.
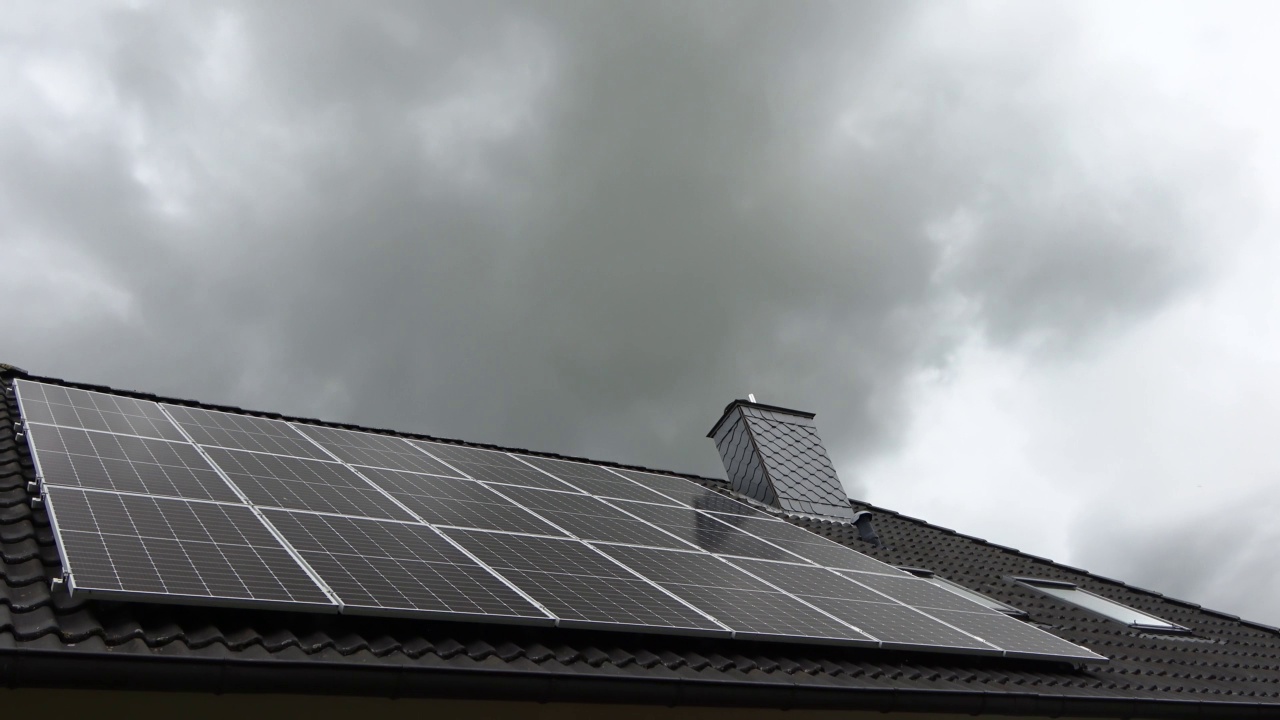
(1226, 668)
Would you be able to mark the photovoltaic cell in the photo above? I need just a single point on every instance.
(835, 556)
(456, 501)
(901, 626)
(577, 584)
(704, 531)
(160, 546)
(691, 494)
(243, 432)
(69, 407)
(807, 580)
(1014, 635)
(372, 450)
(387, 566)
(105, 461)
(918, 593)
(491, 466)
(809, 545)
(596, 480)
(590, 518)
(736, 599)
(303, 484)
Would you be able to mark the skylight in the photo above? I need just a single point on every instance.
(1102, 606)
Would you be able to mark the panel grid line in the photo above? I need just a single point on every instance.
(293, 553)
(367, 481)
(420, 519)
(606, 555)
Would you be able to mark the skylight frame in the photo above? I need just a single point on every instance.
(962, 591)
(1063, 590)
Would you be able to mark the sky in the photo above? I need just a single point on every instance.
(1018, 257)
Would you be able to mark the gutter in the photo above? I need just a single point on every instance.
(106, 671)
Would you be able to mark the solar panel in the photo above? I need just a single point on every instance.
(372, 450)
(106, 461)
(859, 605)
(457, 502)
(381, 566)
(1018, 638)
(596, 480)
(590, 518)
(174, 550)
(809, 545)
(579, 585)
(691, 494)
(898, 626)
(258, 510)
(303, 484)
(69, 407)
(704, 531)
(489, 466)
(807, 580)
(243, 432)
(917, 593)
(747, 605)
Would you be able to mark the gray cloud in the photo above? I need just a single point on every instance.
(571, 227)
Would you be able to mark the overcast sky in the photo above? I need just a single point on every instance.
(1020, 258)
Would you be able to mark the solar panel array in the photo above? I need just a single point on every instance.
(169, 503)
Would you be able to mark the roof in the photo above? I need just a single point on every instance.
(1227, 666)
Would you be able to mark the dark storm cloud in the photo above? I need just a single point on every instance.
(571, 227)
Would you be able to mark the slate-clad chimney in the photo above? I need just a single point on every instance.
(775, 456)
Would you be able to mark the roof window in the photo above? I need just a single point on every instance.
(964, 592)
(1074, 594)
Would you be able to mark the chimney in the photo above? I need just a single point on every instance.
(774, 455)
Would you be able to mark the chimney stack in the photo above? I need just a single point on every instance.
(774, 455)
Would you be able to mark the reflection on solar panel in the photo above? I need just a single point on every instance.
(166, 547)
(379, 565)
(105, 461)
(368, 449)
(596, 480)
(457, 502)
(491, 466)
(809, 546)
(70, 407)
(1018, 638)
(750, 607)
(590, 518)
(231, 508)
(303, 484)
(704, 531)
(578, 584)
(862, 607)
(243, 432)
(691, 495)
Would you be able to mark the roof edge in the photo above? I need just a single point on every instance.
(111, 671)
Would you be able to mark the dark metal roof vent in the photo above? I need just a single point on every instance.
(775, 456)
